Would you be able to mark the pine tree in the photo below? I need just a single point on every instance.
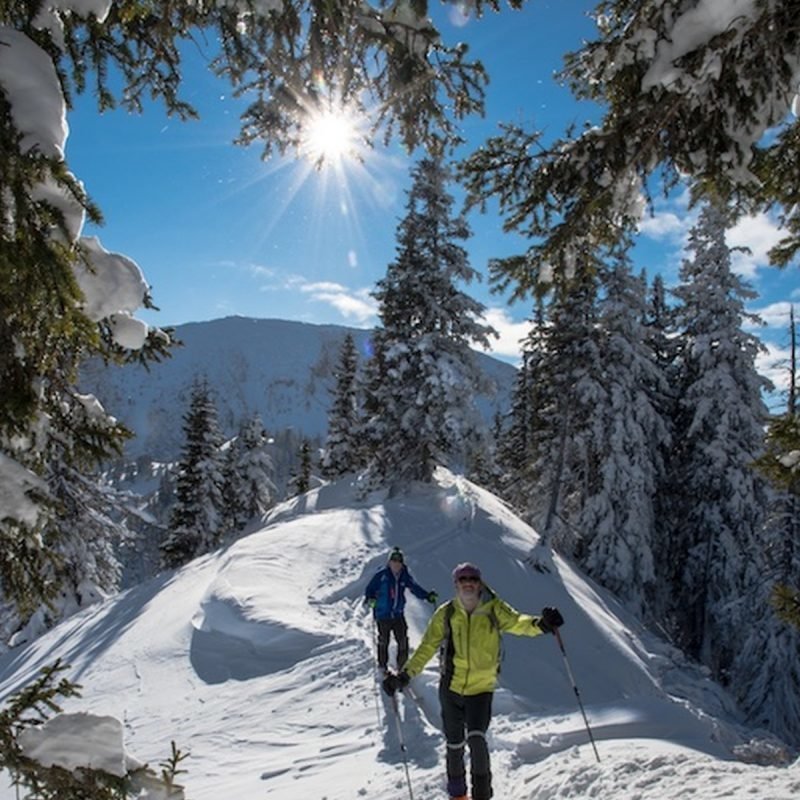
(341, 446)
(780, 463)
(719, 498)
(83, 538)
(86, 535)
(426, 416)
(372, 424)
(515, 441)
(658, 322)
(249, 487)
(660, 336)
(479, 463)
(483, 466)
(630, 437)
(301, 480)
(568, 386)
(687, 108)
(196, 521)
(513, 448)
(766, 672)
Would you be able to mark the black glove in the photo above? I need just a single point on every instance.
(432, 598)
(550, 620)
(392, 682)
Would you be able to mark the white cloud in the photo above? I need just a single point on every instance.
(356, 304)
(259, 271)
(352, 304)
(775, 315)
(772, 364)
(349, 306)
(510, 333)
(758, 233)
(671, 220)
(322, 286)
(665, 225)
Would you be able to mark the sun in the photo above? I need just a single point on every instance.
(331, 136)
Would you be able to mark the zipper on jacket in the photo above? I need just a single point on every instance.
(396, 579)
(468, 651)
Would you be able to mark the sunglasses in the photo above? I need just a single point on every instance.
(469, 579)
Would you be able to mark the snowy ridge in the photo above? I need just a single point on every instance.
(258, 659)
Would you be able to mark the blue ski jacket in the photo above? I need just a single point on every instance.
(389, 592)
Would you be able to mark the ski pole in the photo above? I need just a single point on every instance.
(403, 749)
(577, 693)
(375, 688)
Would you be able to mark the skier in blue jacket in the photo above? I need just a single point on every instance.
(386, 594)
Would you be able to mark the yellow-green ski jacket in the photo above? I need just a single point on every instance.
(471, 656)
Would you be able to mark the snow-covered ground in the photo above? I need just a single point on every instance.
(258, 660)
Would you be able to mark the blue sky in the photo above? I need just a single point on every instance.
(218, 232)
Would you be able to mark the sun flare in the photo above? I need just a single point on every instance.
(331, 136)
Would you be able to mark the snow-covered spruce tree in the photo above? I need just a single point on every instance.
(568, 387)
(718, 496)
(780, 462)
(660, 338)
(84, 535)
(63, 298)
(81, 534)
(249, 488)
(689, 90)
(426, 399)
(197, 518)
(658, 321)
(341, 455)
(766, 671)
(514, 440)
(630, 436)
(372, 423)
(301, 479)
(513, 448)
(482, 464)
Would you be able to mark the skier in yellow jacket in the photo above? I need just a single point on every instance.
(467, 631)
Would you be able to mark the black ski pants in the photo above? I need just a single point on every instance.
(399, 628)
(466, 719)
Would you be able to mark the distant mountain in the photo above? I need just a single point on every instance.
(281, 369)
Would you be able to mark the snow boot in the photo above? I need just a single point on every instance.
(457, 788)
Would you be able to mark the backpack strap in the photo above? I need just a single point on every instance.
(501, 650)
(446, 649)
